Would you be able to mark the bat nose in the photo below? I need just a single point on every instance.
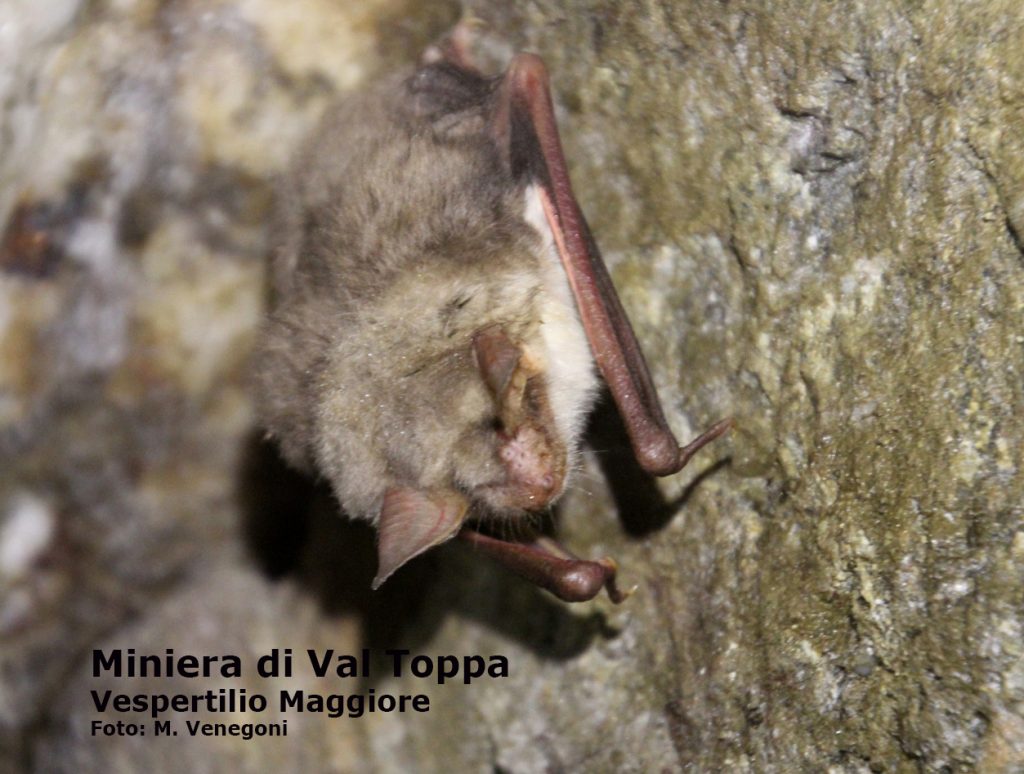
(531, 467)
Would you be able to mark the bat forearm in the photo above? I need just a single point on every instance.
(548, 565)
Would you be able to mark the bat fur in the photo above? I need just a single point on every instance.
(399, 237)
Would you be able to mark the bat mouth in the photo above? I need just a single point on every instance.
(514, 497)
(534, 467)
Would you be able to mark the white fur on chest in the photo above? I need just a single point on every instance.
(569, 364)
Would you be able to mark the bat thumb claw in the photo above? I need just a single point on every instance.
(720, 428)
(615, 594)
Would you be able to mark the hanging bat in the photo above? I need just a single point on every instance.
(438, 309)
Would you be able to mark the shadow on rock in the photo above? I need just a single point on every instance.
(640, 503)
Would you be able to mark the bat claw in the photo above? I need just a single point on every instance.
(720, 428)
(615, 594)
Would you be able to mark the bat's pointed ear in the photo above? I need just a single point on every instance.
(500, 362)
(411, 521)
(497, 357)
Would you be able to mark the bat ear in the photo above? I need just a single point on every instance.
(497, 357)
(500, 362)
(411, 521)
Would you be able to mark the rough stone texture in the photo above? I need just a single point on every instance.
(815, 214)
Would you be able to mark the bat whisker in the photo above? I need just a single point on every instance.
(576, 488)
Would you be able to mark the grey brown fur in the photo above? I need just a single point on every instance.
(398, 237)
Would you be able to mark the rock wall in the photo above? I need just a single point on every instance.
(814, 214)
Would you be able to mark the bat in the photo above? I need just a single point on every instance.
(439, 316)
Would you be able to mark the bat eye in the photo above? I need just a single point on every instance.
(449, 313)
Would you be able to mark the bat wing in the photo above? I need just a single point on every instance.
(523, 124)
